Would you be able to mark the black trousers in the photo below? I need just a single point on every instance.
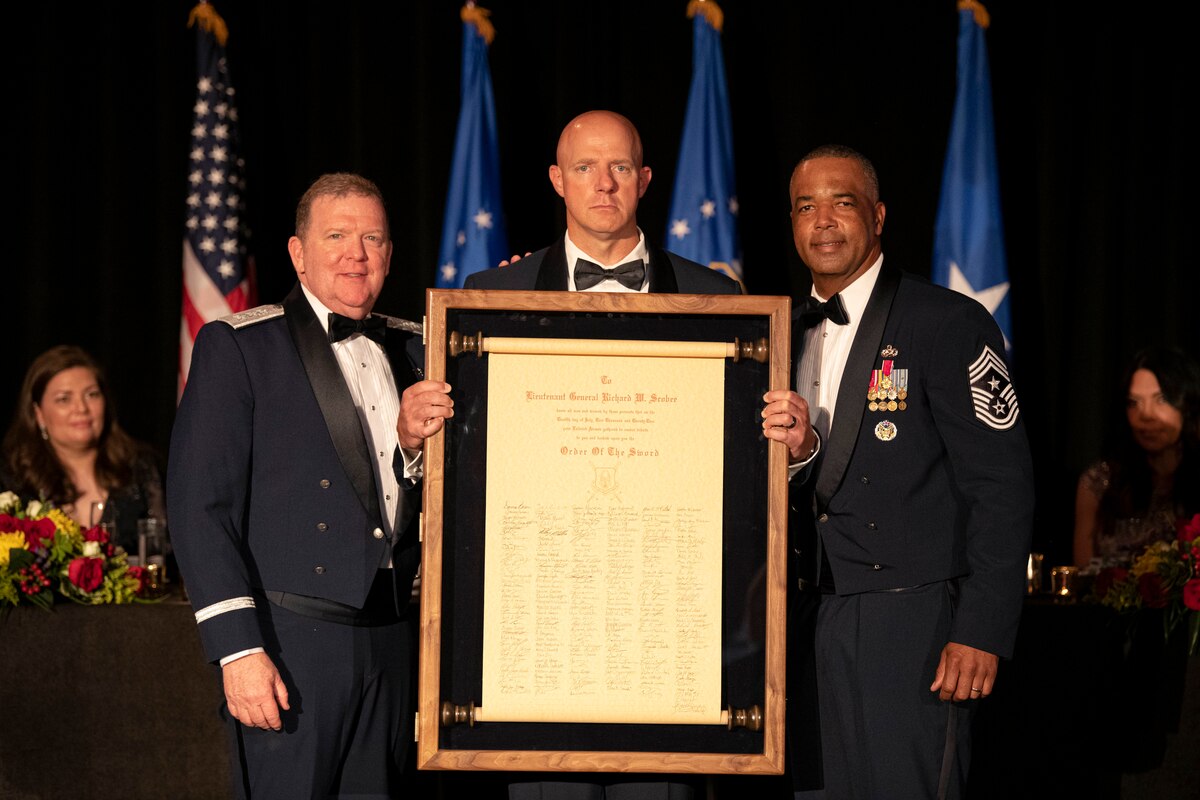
(350, 725)
(883, 733)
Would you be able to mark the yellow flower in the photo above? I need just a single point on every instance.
(1153, 557)
(63, 521)
(10, 541)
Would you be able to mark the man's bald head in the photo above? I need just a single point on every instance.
(594, 122)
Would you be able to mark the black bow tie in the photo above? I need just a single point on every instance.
(631, 274)
(374, 327)
(812, 311)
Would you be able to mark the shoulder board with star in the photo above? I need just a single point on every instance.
(396, 323)
(252, 316)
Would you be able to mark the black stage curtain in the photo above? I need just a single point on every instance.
(1089, 133)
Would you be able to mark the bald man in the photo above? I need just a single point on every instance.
(599, 174)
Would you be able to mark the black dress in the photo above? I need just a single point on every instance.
(142, 498)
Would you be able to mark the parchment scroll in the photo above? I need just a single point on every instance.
(602, 574)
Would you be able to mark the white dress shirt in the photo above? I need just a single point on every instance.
(835, 342)
(372, 386)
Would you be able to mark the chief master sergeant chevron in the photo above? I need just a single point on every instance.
(296, 538)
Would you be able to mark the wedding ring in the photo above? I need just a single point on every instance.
(789, 427)
(973, 689)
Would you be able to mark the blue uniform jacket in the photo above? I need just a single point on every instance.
(940, 487)
(270, 484)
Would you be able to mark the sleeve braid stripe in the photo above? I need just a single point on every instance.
(232, 604)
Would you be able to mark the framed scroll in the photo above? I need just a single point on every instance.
(604, 534)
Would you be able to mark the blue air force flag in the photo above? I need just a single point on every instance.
(703, 219)
(473, 236)
(968, 250)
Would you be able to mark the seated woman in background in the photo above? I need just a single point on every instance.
(1152, 478)
(64, 446)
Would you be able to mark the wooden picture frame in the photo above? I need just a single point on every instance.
(458, 325)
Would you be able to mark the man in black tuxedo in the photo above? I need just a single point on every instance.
(295, 535)
(906, 429)
(600, 176)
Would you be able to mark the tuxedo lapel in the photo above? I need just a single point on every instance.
(329, 387)
(662, 274)
(552, 277)
(852, 391)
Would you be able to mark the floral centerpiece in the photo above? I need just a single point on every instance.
(45, 554)
(1165, 575)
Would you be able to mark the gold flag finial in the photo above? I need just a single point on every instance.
(210, 20)
(982, 18)
(711, 11)
(479, 18)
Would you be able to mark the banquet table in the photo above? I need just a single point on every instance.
(108, 701)
(117, 701)
(1085, 700)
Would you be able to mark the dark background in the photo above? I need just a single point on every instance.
(1090, 137)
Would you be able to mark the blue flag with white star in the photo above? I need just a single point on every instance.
(473, 236)
(968, 249)
(703, 221)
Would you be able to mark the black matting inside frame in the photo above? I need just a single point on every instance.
(743, 553)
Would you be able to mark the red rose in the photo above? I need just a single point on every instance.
(9, 524)
(1191, 594)
(86, 573)
(1108, 577)
(38, 531)
(1189, 530)
(1152, 590)
(96, 534)
(140, 574)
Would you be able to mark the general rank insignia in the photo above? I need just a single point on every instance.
(885, 431)
(992, 393)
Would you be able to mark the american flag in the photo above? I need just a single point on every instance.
(218, 272)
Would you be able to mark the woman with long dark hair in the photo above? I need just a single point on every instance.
(65, 446)
(1151, 479)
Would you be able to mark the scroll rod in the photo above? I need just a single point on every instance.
(758, 350)
(749, 718)
(454, 714)
(458, 343)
